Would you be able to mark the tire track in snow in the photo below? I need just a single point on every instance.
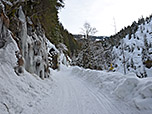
(108, 103)
(75, 93)
(127, 109)
(74, 96)
(79, 106)
(107, 106)
(68, 99)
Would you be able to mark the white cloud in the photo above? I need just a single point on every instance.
(100, 14)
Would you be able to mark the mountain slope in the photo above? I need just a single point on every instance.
(33, 24)
(134, 52)
(130, 50)
(25, 47)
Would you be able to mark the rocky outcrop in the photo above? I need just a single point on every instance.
(33, 47)
(32, 44)
(33, 24)
(4, 23)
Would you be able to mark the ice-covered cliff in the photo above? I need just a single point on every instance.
(34, 52)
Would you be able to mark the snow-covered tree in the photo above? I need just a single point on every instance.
(124, 60)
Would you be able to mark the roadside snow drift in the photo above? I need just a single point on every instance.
(128, 88)
(19, 94)
(67, 93)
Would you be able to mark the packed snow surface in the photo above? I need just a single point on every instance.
(74, 90)
(71, 90)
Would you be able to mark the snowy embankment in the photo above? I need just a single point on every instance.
(127, 88)
(19, 94)
(137, 49)
(73, 90)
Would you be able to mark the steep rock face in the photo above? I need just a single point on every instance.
(33, 47)
(42, 13)
(33, 53)
(33, 24)
(8, 45)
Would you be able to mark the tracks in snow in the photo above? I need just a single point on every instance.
(73, 96)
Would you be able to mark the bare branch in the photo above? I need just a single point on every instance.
(87, 30)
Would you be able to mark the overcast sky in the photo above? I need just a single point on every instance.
(102, 13)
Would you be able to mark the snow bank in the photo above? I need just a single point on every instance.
(107, 81)
(125, 88)
(143, 97)
(128, 88)
(19, 94)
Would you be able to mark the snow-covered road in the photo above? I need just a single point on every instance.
(74, 90)
(72, 95)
